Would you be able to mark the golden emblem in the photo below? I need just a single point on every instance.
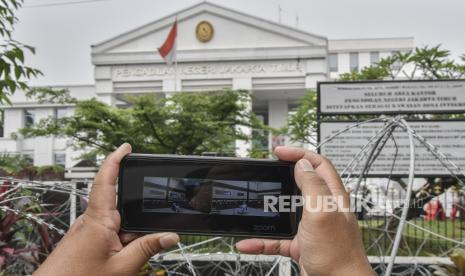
(204, 31)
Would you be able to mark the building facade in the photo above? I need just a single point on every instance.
(217, 48)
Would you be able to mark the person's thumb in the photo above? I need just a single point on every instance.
(314, 191)
(132, 257)
(308, 181)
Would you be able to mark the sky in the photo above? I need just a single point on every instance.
(62, 34)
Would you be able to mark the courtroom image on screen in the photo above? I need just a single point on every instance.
(207, 196)
(176, 195)
(243, 198)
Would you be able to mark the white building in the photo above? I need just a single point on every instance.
(277, 63)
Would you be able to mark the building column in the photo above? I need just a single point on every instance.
(243, 148)
(171, 86)
(104, 85)
(108, 99)
(277, 118)
(315, 70)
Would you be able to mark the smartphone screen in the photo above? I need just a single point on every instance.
(206, 195)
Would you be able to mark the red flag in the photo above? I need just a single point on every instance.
(168, 49)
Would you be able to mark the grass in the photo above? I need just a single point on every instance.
(415, 241)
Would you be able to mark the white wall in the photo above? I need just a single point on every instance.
(385, 47)
(13, 121)
(363, 59)
(373, 44)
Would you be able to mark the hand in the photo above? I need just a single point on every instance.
(93, 244)
(327, 243)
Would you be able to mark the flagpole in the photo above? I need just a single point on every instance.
(176, 74)
(176, 59)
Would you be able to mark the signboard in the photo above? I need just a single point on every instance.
(224, 69)
(391, 97)
(447, 136)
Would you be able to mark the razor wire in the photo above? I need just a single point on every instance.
(440, 156)
(218, 254)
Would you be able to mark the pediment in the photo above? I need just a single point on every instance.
(232, 30)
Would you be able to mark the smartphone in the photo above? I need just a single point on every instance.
(206, 195)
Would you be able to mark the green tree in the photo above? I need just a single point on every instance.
(18, 166)
(422, 63)
(302, 124)
(13, 164)
(186, 123)
(13, 71)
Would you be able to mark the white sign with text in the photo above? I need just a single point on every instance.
(392, 97)
(447, 136)
(144, 72)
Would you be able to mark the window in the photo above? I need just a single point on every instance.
(28, 117)
(60, 113)
(374, 58)
(333, 63)
(60, 159)
(353, 62)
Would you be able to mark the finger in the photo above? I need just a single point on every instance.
(264, 246)
(132, 257)
(315, 192)
(103, 194)
(321, 165)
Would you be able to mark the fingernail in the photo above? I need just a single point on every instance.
(239, 243)
(124, 145)
(305, 165)
(168, 240)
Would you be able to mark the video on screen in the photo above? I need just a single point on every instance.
(207, 196)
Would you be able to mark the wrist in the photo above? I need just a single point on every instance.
(362, 268)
